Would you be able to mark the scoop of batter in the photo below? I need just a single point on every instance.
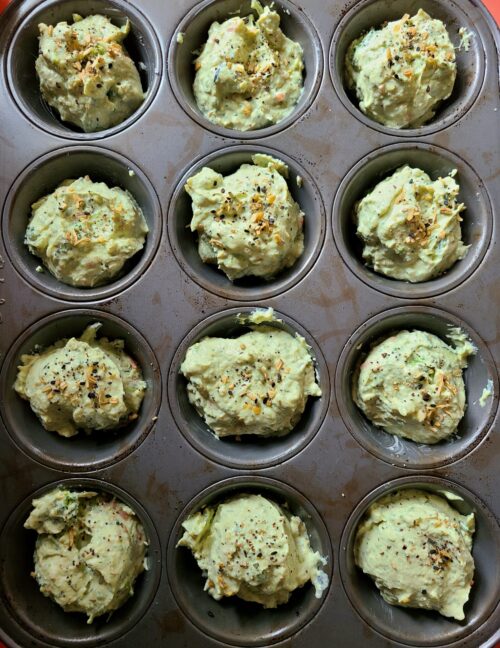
(82, 383)
(403, 71)
(84, 232)
(257, 383)
(247, 222)
(249, 74)
(417, 549)
(89, 551)
(86, 74)
(410, 225)
(248, 546)
(411, 385)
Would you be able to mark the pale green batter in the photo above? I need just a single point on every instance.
(81, 384)
(411, 384)
(249, 546)
(90, 550)
(410, 225)
(257, 383)
(86, 74)
(403, 71)
(247, 222)
(249, 74)
(84, 232)
(417, 549)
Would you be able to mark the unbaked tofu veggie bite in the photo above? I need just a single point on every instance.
(255, 384)
(249, 75)
(248, 223)
(417, 548)
(403, 70)
(410, 225)
(89, 551)
(85, 232)
(251, 547)
(81, 384)
(411, 384)
(86, 74)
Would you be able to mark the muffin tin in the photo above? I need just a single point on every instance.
(167, 462)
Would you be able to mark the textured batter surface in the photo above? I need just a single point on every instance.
(86, 74)
(249, 74)
(84, 232)
(257, 383)
(81, 383)
(410, 225)
(411, 385)
(89, 551)
(247, 222)
(248, 546)
(417, 549)
(403, 71)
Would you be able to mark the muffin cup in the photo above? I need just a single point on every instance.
(232, 620)
(368, 14)
(39, 616)
(476, 227)
(83, 452)
(395, 450)
(194, 28)
(251, 451)
(184, 243)
(41, 178)
(141, 44)
(415, 627)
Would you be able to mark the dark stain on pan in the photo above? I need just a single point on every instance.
(157, 490)
(171, 622)
(164, 345)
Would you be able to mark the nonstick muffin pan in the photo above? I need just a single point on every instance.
(167, 462)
